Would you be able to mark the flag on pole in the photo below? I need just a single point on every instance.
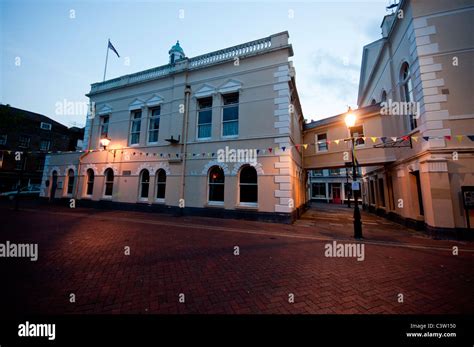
(111, 46)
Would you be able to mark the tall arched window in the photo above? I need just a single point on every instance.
(248, 185)
(216, 184)
(160, 184)
(54, 185)
(109, 182)
(144, 184)
(70, 181)
(90, 182)
(407, 91)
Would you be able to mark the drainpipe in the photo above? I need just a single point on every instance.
(187, 94)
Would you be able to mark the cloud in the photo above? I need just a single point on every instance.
(329, 85)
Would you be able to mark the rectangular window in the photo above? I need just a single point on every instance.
(19, 164)
(358, 133)
(321, 140)
(45, 126)
(372, 191)
(318, 190)
(45, 145)
(230, 115)
(104, 127)
(381, 192)
(154, 125)
(135, 127)
(40, 165)
(24, 141)
(204, 118)
(3, 139)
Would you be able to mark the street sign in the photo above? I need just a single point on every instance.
(355, 185)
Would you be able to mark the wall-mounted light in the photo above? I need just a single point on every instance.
(104, 142)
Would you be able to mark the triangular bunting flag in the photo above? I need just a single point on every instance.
(297, 147)
(373, 138)
(394, 139)
(337, 141)
(270, 149)
(283, 148)
(471, 137)
(448, 137)
(305, 145)
(405, 138)
(383, 139)
(459, 138)
(426, 138)
(258, 151)
(415, 138)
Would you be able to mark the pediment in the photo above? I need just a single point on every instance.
(136, 105)
(155, 100)
(205, 90)
(230, 86)
(106, 109)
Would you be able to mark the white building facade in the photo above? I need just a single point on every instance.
(217, 134)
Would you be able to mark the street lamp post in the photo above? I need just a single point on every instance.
(349, 191)
(350, 122)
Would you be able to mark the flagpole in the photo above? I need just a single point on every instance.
(106, 58)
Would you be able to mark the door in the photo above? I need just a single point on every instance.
(336, 194)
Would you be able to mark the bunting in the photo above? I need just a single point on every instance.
(259, 151)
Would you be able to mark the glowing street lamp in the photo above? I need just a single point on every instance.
(350, 120)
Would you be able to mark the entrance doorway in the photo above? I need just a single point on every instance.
(336, 194)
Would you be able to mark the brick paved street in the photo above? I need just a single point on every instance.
(81, 251)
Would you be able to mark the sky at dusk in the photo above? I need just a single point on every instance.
(53, 50)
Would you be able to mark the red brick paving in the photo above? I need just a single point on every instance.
(81, 251)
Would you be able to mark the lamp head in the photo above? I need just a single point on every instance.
(350, 118)
(105, 142)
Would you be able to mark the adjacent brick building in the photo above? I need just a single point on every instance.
(33, 134)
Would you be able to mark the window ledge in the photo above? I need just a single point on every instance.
(214, 204)
(242, 206)
(106, 198)
(159, 201)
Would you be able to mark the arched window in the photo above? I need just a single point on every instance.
(70, 181)
(160, 184)
(407, 91)
(90, 182)
(109, 182)
(383, 98)
(216, 184)
(54, 184)
(248, 185)
(144, 184)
